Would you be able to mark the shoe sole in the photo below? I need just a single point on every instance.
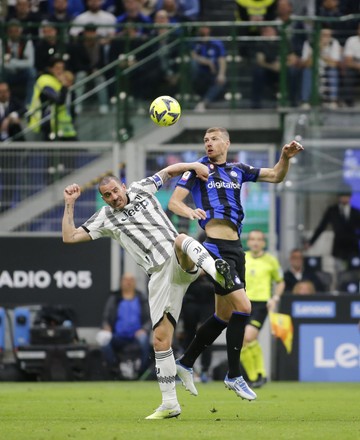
(224, 269)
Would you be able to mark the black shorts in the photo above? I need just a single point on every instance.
(231, 251)
(258, 315)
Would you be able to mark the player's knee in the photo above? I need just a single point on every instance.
(161, 340)
(179, 240)
(244, 307)
(161, 344)
(248, 339)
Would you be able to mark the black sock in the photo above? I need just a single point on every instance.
(204, 337)
(234, 341)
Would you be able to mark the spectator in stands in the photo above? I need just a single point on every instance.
(29, 19)
(189, 10)
(331, 9)
(298, 272)
(64, 10)
(208, 68)
(351, 67)
(61, 13)
(47, 46)
(105, 21)
(344, 220)
(162, 74)
(329, 61)
(38, 6)
(266, 67)
(172, 9)
(11, 111)
(350, 7)
(126, 321)
(295, 38)
(133, 15)
(116, 7)
(122, 44)
(305, 287)
(87, 56)
(17, 51)
(295, 29)
(305, 7)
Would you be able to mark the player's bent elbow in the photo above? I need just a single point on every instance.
(69, 239)
(278, 179)
(172, 206)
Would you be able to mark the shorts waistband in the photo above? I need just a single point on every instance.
(217, 241)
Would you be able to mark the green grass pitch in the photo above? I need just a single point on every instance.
(116, 411)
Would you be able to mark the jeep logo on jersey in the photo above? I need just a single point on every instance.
(132, 211)
(225, 185)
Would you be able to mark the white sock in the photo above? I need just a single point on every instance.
(200, 256)
(165, 368)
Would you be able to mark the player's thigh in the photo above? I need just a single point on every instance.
(232, 302)
(167, 288)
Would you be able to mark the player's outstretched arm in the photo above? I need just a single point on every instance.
(70, 233)
(177, 169)
(278, 173)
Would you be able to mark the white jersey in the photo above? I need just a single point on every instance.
(142, 228)
(98, 18)
(352, 48)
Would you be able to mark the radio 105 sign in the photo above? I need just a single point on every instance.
(42, 279)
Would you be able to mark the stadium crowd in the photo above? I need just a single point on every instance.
(90, 34)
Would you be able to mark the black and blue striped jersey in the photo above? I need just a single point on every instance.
(220, 196)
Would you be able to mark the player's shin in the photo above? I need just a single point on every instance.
(234, 341)
(166, 371)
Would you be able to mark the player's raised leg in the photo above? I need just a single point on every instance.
(218, 269)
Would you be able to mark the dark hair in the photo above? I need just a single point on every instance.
(345, 190)
(90, 27)
(107, 179)
(54, 60)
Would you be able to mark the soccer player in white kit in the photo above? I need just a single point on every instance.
(135, 219)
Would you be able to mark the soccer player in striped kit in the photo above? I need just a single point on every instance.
(220, 214)
(136, 220)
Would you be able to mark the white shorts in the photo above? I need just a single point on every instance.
(167, 288)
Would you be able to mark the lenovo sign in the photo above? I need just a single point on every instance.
(329, 353)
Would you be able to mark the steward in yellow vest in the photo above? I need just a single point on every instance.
(50, 114)
(255, 11)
